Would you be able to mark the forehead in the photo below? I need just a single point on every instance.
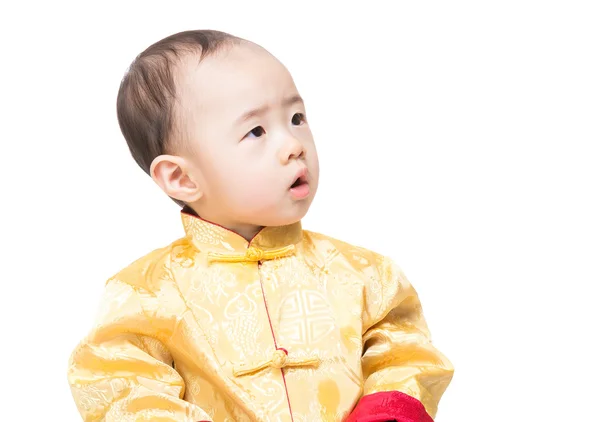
(235, 80)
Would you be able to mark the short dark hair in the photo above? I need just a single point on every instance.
(147, 94)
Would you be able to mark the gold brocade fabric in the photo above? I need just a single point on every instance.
(215, 328)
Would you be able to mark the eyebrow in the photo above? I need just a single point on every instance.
(261, 110)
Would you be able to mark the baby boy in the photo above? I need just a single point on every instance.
(248, 317)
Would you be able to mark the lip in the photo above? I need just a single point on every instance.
(301, 174)
(302, 190)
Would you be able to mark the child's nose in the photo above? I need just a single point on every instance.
(292, 149)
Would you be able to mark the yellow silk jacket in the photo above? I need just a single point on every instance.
(291, 326)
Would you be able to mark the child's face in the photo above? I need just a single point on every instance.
(246, 166)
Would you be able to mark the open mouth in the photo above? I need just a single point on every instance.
(300, 188)
(299, 182)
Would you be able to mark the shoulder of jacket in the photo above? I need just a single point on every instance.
(354, 254)
(141, 273)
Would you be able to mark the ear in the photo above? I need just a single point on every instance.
(172, 174)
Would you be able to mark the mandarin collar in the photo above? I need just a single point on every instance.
(226, 245)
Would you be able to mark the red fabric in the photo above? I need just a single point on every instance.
(389, 406)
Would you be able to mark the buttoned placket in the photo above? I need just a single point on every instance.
(280, 358)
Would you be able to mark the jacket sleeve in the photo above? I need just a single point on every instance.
(122, 372)
(404, 374)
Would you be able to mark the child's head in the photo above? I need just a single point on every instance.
(218, 123)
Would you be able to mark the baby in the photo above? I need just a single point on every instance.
(248, 317)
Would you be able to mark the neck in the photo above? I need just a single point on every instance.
(247, 231)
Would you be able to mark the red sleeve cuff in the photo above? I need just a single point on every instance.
(389, 406)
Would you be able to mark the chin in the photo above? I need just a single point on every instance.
(279, 214)
(284, 219)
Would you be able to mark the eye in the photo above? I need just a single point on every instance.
(257, 132)
(298, 119)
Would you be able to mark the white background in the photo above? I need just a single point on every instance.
(461, 138)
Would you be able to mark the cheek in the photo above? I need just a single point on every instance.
(252, 188)
(313, 160)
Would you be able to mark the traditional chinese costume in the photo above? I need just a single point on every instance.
(291, 326)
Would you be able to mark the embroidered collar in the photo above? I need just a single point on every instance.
(224, 245)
